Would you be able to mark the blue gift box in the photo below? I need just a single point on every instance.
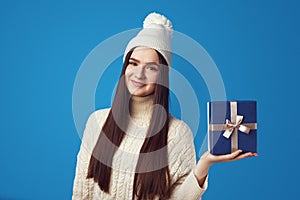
(232, 125)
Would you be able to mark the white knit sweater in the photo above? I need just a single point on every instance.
(181, 154)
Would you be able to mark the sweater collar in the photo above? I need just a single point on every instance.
(141, 108)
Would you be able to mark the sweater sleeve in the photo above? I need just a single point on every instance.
(83, 188)
(183, 162)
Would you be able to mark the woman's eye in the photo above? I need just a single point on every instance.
(133, 63)
(152, 67)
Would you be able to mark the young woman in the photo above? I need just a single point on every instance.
(136, 150)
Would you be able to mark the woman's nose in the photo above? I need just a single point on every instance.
(140, 72)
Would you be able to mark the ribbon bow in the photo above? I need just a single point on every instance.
(230, 126)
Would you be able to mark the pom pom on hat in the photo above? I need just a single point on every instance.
(154, 18)
(156, 34)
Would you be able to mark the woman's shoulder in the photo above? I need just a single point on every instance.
(100, 112)
(178, 127)
(96, 120)
(93, 127)
(177, 123)
(99, 115)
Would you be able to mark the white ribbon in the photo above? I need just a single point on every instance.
(230, 126)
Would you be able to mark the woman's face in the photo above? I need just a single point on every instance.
(142, 71)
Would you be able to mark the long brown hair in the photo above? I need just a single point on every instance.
(147, 185)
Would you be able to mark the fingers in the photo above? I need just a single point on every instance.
(233, 155)
(236, 156)
(246, 155)
(227, 157)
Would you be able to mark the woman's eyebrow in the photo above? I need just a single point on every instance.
(136, 60)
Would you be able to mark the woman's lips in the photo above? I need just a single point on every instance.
(137, 84)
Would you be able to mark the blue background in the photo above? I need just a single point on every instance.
(254, 43)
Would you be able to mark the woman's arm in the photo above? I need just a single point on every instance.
(182, 164)
(82, 187)
(208, 159)
(191, 179)
(187, 187)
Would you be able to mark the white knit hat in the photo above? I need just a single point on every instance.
(156, 34)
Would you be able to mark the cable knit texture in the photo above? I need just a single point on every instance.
(181, 155)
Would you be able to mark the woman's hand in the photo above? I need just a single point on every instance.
(207, 159)
(211, 159)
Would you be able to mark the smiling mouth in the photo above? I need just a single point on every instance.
(137, 84)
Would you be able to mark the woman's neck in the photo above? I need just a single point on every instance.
(141, 108)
